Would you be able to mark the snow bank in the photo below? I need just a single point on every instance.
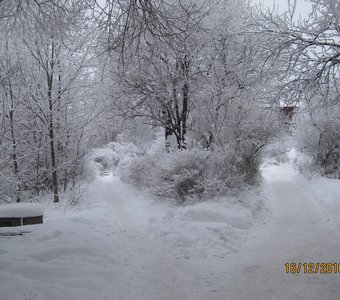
(225, 223)
(20, 210)
(91, 255)
(188, 231)
(326, 192)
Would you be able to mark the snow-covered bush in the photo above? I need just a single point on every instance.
(318, 136)
(98, 160)
(229, 163)
(276, 152)
(123, 153)
(180, 175)
(192, 174)
(112, 158)
(7, 188)
(174, 175)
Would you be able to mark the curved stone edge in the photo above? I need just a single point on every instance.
(11, 222)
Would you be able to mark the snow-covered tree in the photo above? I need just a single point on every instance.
(157, 82)
(47, 96)
(228, 114)
(308, 52)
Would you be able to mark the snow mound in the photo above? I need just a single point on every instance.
(236, 215)
(189, 231)
(20, 210)
(203, 216)
(326, 192)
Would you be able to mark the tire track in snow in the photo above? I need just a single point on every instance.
(152, 269)
(297, 232)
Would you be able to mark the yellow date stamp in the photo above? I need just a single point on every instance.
(312, 268)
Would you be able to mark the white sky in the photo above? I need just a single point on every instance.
(302, 9)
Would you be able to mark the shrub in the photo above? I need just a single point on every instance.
(318, 136)
(227, 164)
(8, 188)
(195, 174)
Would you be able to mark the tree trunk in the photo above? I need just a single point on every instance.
(167, 129)
(185, 108)
(53, 156)
(184, 115)
(14, 145)
(51, 131)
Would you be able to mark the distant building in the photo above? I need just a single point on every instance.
(288, 112)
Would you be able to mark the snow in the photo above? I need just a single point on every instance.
(126, 245)
(96, 253)
(20, 210)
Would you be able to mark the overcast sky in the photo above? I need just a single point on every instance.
(302, 6)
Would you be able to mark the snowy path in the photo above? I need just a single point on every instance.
(298, 232)
(155, 273)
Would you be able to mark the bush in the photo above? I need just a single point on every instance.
(8, 188)
(197, 174)
(113, 158)
(318, 136)
(227, 164)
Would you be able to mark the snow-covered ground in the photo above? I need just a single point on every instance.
(125, 245)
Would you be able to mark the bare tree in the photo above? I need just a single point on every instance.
(46, 102)
(308, 50)
(127, 25)
(160, 76)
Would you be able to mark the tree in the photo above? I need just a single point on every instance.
(309, 53)
(309, 49)
(157, 80)
(48, 102)
(232, 112)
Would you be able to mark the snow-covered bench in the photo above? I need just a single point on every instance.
(19, 214)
